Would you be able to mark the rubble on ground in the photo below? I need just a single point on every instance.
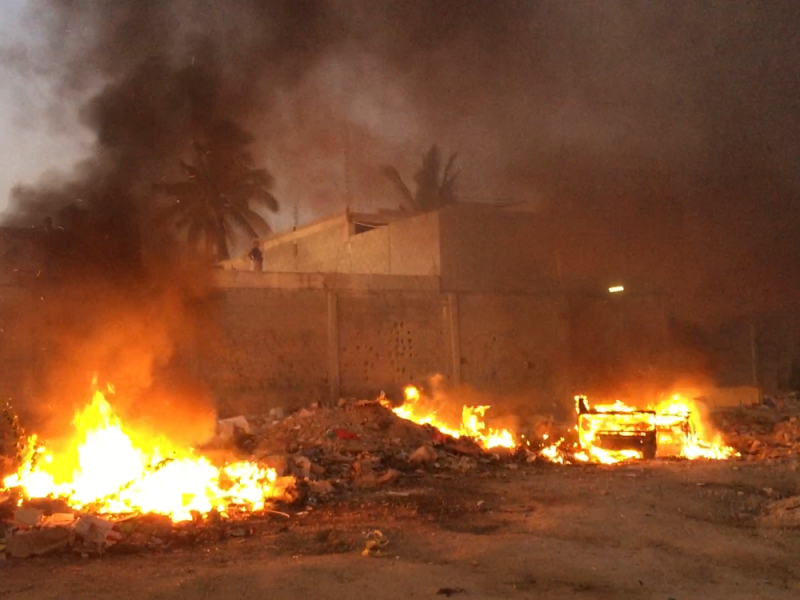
(770, 430)
(359, 445)
(330, 452)
(783, 513)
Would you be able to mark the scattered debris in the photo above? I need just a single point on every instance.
(26, 517)
(303, 465)
(358, 444)
(375, 543)
(423, 455)
(23, 544)
(447, 591)
(96, 532)
(58, 520)
(320, 487)
(783, 513)
(763, 432)
(227, 428)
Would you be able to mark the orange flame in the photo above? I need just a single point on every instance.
(107, 472)
(672, 427)
(471, 425)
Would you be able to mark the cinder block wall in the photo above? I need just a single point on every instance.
(291, 339)
(270, 349)
(389, 339)
(514, 344)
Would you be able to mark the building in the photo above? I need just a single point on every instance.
(356, 304)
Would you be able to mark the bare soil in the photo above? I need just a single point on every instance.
(650, 530)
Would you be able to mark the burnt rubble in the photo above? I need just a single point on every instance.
(766, 431)
(330, 453)
(335, 456)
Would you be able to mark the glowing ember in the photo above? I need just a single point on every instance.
(471, 425)
(110, 471)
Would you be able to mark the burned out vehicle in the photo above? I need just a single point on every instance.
(620, 428)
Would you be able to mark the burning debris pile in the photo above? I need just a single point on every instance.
(124, 493)
(615, 432)
(114, 483)
(471, 425)
(107, 474)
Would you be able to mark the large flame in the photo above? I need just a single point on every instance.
(672, 427)
(109, 470)
(471, 425)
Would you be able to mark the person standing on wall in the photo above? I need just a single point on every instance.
(256, 258)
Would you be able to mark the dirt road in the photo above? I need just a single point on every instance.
(659, 530)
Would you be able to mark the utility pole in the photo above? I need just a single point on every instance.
(753, 352)
(348, 199)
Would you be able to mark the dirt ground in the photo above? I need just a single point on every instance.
(656, 530)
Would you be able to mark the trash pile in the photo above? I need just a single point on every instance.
(48, 526)
(331, 454)
(358, 444)
(326, 452)
(769, 431)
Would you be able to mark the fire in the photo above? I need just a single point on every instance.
(611, 433)
(471, 425)
(109, 470)
(605, 433)
(678, 423)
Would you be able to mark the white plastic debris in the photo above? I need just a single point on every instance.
(227, 428)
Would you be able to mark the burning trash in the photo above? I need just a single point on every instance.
(604, 433)
(616, 432)
(108, 470)
(113, 485)
(612, 433)
(422, 411)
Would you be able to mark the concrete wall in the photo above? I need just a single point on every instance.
(290, 339)
(270, 349)
(407, 246)
(514, 344)
(317, 252)
(390, 339)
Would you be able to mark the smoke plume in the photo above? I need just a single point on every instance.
(117, 297)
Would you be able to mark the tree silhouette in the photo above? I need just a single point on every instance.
(215, 202)
(435, 182)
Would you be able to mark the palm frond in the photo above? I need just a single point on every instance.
(266, 199)
(259, 177)
(250, 221)
(405, 193)
(214, 202)
(222, 233)
(447, 192)
(450, 171)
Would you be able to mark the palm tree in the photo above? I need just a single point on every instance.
(215, 202)
(435, 186)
